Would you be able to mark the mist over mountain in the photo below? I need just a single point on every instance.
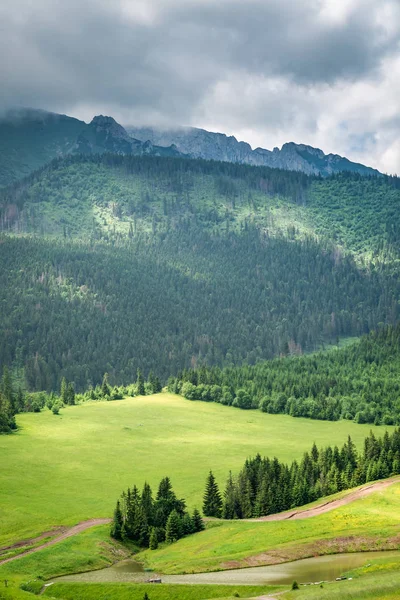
(199, 143)
(30, 138)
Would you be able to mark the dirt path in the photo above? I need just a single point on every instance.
(66, 533)
(320, 509)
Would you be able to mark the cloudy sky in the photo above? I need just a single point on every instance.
(321, 72)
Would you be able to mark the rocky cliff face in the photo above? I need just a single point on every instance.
(199, 143)
(104, 134)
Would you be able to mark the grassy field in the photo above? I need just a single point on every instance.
(371, 522)
(126, 591)
(59, 470)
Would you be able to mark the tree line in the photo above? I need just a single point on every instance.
(263, 486)
(359, 382)
(267, 485)
(13, 402)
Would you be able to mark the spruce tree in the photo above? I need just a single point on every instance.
(70, 393)
(198, 523)
(7, 390)
(117, 523)
(105, 388)
(212, 504)
(153, 543)
(173, 530)
(230, 504)
(148, 503)
(140, 383)
(64, 391)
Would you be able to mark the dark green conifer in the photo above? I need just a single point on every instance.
(198, 523)
(105, 388)
(173, 530)
(117, 523)
(212, 504)
(153, 543)
(140, 383)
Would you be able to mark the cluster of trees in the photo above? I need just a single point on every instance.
(12, 402)
(266, 486)
(358, 382)
(146, 521)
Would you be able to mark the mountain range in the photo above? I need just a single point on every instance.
(199, 143)
(30, 138)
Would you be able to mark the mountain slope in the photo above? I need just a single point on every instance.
(199, 143)
(164, 263)
(31, 138)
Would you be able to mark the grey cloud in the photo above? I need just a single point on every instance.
(91, 51)
(168, 65)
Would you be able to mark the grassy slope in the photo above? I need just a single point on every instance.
(363, 524)
(75, 465)
(126, 591)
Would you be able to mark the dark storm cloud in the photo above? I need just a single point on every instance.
(64, 53)
(242, 65)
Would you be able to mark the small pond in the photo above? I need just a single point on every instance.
(320, 568)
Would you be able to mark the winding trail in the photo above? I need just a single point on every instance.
(319, 509)
(66, 533)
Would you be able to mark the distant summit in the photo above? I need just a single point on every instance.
(199, 143)
(30, 138)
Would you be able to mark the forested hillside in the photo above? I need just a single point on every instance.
(359, 382)
(117, 262)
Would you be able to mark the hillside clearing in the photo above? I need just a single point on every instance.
(75, 465)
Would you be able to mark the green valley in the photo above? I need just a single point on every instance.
(107, 446)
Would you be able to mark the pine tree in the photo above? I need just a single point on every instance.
(147, 503)
(198, 523)
(173, 528)
(70, 393)
(153, 543)
(212, 504)
(187, 525)
(230, 505)
(105, 388)
(7, 391)
(64, 391)
(117, 523)
(140, 383)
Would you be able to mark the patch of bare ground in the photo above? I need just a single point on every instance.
(33, 541)
(62, 533)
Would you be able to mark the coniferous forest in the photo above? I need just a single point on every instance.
(113, 263)
(263, 486)
(359, 382)
(200, 271)
(266, 486)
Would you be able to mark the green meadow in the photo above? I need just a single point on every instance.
(369, 523)
(126, 591)
(60, 470)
